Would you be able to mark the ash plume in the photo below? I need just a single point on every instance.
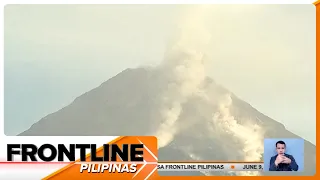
(183, 69)
(250, 136)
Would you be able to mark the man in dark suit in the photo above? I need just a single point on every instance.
(282, 161)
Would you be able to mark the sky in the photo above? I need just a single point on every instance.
(265, 54)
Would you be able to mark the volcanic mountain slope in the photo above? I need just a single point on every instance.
(129, 104)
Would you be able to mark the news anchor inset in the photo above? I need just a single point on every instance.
(282, 161)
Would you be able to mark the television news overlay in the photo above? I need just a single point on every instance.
(174, 71)
(286, 154)
(210, 166)
(128, 157)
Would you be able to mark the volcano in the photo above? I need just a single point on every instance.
(131, 103)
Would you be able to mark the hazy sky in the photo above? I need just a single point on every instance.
(265, 54)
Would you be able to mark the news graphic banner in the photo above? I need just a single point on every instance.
(210, 166)
(126, 157)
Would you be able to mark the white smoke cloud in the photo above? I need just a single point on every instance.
(168, 129)
(183, 67)
(251, 137)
